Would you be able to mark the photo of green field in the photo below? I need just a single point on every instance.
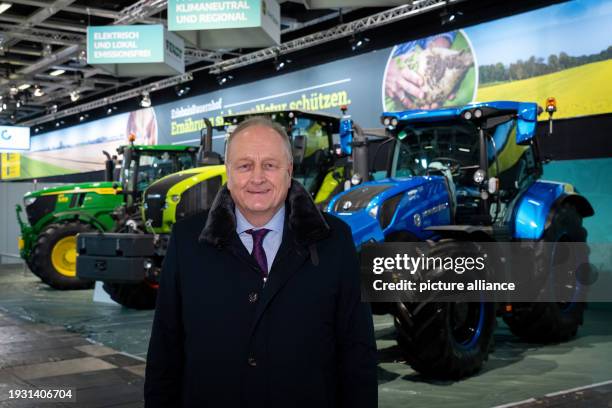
(32, 168)
(582, 90)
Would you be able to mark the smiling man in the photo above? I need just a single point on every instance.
(259, 302)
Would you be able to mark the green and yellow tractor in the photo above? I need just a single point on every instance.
(129, 262)
(56, 215)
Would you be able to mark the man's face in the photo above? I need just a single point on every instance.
(258, 173)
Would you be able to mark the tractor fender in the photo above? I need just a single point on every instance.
(536, 207)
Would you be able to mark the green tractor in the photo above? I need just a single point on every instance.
(56, 215)
(129, 262)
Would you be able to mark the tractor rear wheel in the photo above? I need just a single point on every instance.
(445, 340)
(54, 256)
(139, 296)
(548, 322)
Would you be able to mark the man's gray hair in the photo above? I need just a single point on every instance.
(261, 121)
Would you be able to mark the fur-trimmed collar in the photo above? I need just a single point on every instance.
(301, 216)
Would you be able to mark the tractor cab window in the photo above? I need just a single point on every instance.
(148, 166)
(447, 147)
(311, 143)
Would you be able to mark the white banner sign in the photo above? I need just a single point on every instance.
(14, 138)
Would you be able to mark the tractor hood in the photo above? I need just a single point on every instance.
(103, 187)
(369, 209)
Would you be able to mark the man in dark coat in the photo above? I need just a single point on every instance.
(259, 301)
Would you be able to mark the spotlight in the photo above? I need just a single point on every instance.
(57, 124)
(38, 92)
(36, 130)
(82, 58)
(74, 96)
(52, 109)
(18, 104)
(449, 17)
(13, 90)
(357, 42)
(281, 63)
(4, 106)
(181, 90)
(223, 79)
(109, 110)
(81, 118)
(47, 50)
(145, 102)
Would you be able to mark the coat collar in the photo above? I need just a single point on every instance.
(302, 216)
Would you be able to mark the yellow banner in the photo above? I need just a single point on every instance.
(11, 165)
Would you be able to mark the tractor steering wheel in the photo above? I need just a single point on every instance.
(454, 167)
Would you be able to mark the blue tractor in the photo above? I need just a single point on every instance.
(469, 173)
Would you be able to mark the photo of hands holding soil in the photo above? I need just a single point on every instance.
(430, 73)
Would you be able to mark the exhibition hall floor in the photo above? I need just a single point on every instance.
(48, 336)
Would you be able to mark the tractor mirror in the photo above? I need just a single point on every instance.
(299, 149)
(346, 136)
(526, 122)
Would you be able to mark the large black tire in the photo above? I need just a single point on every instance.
(141, 296)
(30, 264)
(541, 322)
(443, 340)
(58, 276)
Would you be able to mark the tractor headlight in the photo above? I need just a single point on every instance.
(373, 211)
(386, 121)
(29, 200)
(478, 113)
(175, 198)
(394, 122)
(356, 179)
(467, 115)
(479, 176)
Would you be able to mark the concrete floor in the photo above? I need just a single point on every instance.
(516, 372)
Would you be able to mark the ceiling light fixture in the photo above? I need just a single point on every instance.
(448, 16)
(223, 79)
(47, 50)
(4, 6)
(82, 58)
(181, 90)
(358, 42)
(23, 87)
(75, 95)
(145, 102)
(57, 72)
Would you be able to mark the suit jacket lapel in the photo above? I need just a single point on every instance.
(239, 250)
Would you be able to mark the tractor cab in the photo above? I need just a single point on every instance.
(477, 152)
(450, 168)
(485, 153)
(142, 165)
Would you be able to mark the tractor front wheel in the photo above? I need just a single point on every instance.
(445, 340)
(54, 256)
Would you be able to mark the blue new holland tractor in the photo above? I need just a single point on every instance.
(469, 173)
